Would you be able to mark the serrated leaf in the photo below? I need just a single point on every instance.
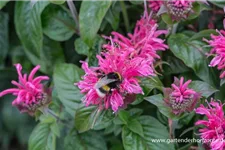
(189, 52)
(42, 138)
(90, 19)
(153, 130)
(29, 29)
(85, 141)
(65, 75)
(124, 116)
(135, 126)
(57, 23)
(4, 41)
(204, 88)
(3, 3)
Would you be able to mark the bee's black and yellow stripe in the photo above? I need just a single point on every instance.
(103, 90)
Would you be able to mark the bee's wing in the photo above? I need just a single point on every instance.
(104, 81)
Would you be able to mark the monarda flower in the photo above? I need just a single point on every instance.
(144, 42)
(179, 8)
(30, 92)
(218, 52)
(180, 98)
(213, 131)
(155, 5)
(115, 79)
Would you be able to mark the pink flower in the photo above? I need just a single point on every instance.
(109, 63)
(155, 5)
(144, 42)
(218, 51)
(30, 92)
(214, 127)
(179, 8)
(180, 98)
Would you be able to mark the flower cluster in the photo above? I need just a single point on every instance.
(129, 58)
(179, 8)
(218, 51)
(30, 91)
(214, 126)
(180, 98)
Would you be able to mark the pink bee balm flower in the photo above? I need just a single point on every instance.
(179, 8)
(155, 5)
(214, 127)
(218, 51)
(116, 77)
(180, 98)
(144, 42)
(30, 92)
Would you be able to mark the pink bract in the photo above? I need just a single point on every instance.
(218, 51)
(30, 92)
(213, 131)
(155, 5)
(144, 42)
(181, 98)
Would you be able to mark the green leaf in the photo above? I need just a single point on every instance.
(158, 101)
(203, 34)
(4, 41)
(202, 87)
(135, 112)
(113, 15)
(85, 118)
(167, 19)
(57, 23)
(58, 2)
(3, 3)
(190, 53)
(90, 19)
(85, 141)
(81, 47)
(136, 2)
(124, 116)
(152, 83)
(104, 120)
(153, 130)
(29, 28)
(135, 126)
(65, 75)
(219, 3)
(42, 138)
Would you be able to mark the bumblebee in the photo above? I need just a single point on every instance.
(107, 82)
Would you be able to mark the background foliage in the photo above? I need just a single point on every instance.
(45, 33)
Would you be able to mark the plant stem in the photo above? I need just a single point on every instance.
(125, 15)
(74, 13)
